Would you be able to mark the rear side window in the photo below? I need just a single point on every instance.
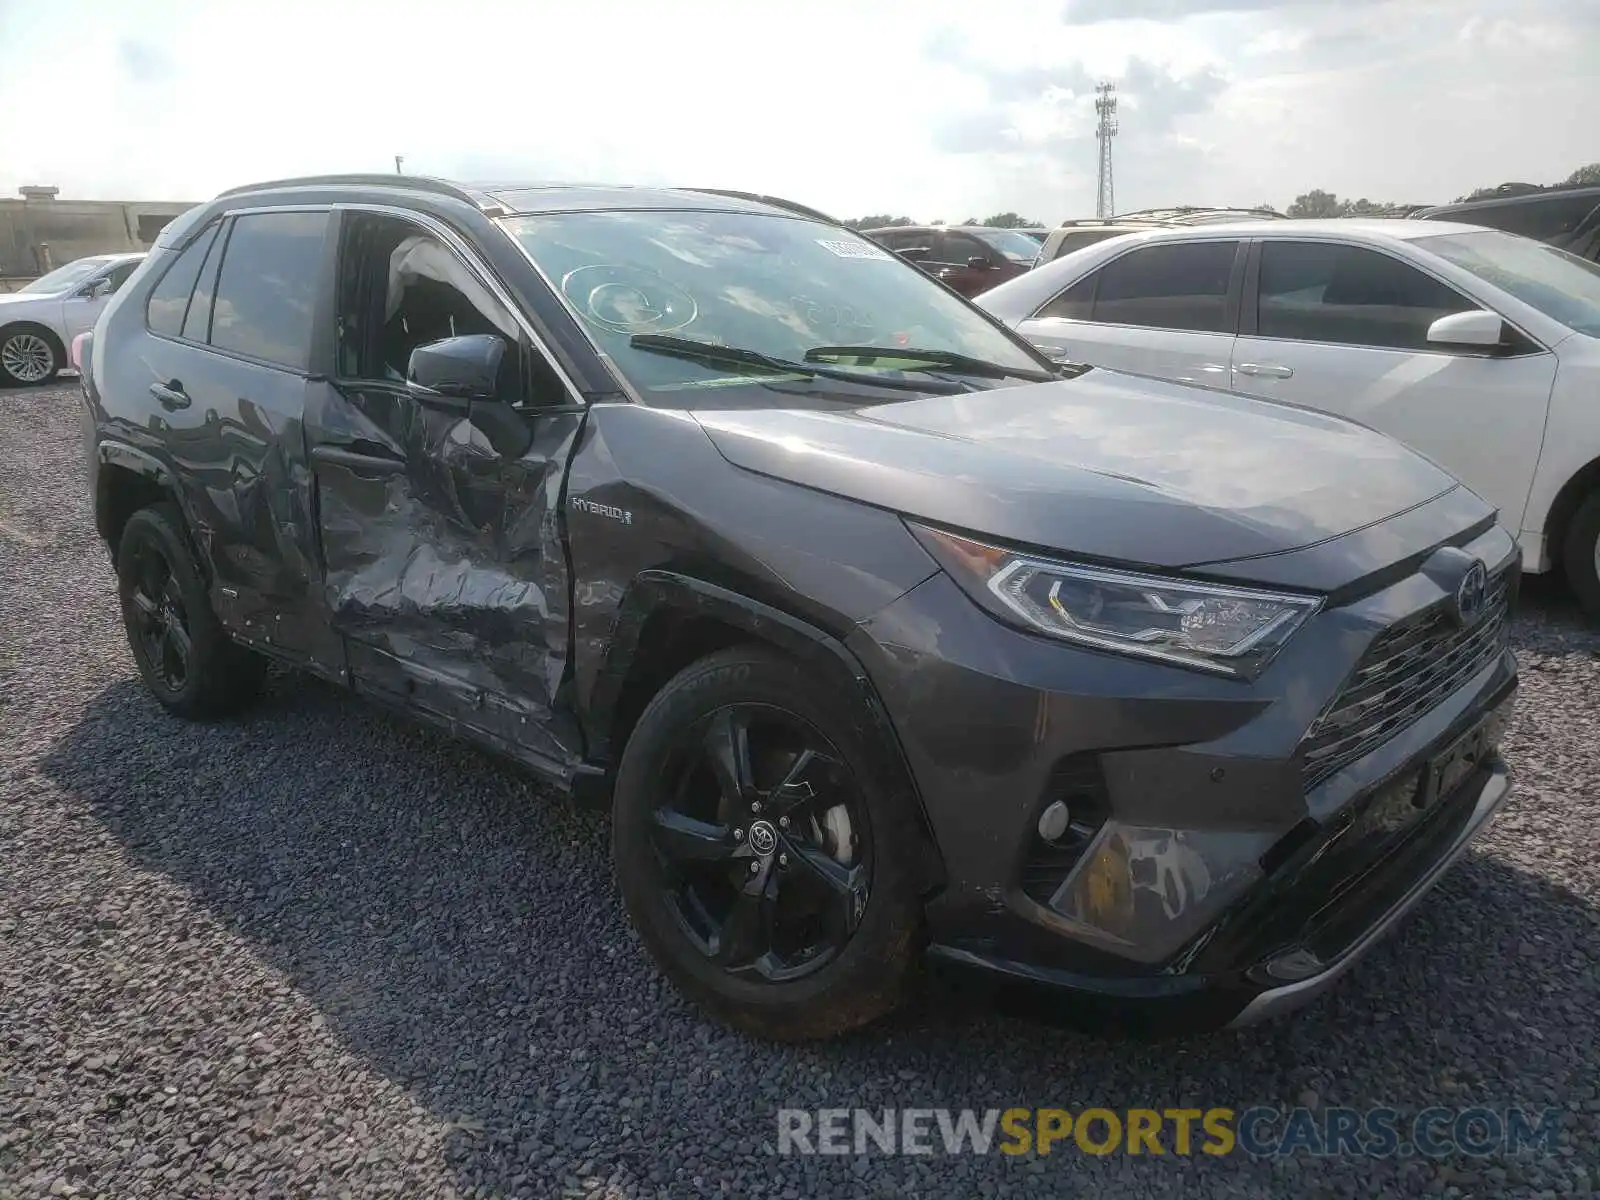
(1177, 285)
(169, 299)
(267, 290)
(1545, 218)
(1078, 239)
(1075, 304)
(1348, 295)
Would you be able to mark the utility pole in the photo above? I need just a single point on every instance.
(1105, 107)
(398, 159)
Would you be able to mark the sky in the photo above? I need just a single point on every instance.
(929, 108)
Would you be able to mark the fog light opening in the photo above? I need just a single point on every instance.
(1054, 821)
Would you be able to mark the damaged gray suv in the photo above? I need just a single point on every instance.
(881, 637)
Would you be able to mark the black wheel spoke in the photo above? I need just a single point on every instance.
(178, 640)
(842, 888)
(684, 839)
(745, 937)
(798, 787)
(145, 605)
(727, 744)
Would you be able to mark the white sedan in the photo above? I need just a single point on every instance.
(1479, 348)
(38, 323)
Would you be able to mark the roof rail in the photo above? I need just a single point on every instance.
(417, 183)
(775, 201)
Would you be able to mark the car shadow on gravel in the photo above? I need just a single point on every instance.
(461, 934)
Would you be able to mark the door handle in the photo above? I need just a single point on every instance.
(171, 395)
(1266, 370)
(370, 465)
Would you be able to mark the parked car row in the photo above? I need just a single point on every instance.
(881, 635)
(1474, 346)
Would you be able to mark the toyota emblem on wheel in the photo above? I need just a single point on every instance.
(1471, 592)
(763, 837)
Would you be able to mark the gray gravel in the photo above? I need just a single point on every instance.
(321, 952)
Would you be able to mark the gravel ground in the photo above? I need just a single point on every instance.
(320, 952)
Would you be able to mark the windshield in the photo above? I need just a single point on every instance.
(63, 278)
(777, 286)
(1018, 247)
(1558, 284)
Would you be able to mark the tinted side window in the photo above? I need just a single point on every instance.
(958, 247)
(1318, 292)
(267, 291)
(1182, 285)
(197, 325)
(119, 274)
(1087, 237)
(1076, 303)
(169, 300)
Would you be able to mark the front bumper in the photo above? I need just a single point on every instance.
(996, 724)
(1287, 997)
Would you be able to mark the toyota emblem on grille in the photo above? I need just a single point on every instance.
(1471, 593)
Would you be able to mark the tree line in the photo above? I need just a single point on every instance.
(1315, 203)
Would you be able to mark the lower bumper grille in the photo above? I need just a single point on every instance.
(1406, 672)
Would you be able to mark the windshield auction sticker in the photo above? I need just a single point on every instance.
(852, 249)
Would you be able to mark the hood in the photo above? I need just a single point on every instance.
(7, 298)
(1107, 466)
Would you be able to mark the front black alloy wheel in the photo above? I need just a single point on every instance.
(761, 839)
(183, 654)
(767, 859)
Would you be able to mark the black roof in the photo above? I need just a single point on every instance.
(502, 199)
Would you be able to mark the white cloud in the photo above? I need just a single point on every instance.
(849, 107)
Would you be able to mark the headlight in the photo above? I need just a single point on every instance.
(1211, 627)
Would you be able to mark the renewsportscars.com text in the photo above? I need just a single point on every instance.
(1260, 1132)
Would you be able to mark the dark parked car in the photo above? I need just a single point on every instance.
(969, 258)
(1565, 216)
(878, 634)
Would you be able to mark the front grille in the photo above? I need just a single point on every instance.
(1407, 671)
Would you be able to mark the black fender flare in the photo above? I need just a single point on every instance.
(655, 589)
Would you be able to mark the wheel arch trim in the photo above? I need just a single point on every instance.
(655, 589)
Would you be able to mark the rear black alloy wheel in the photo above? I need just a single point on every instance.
(160, 625)
(767, 848)
(761, 839)
(184, 655)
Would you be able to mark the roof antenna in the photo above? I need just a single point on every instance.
(398, 159)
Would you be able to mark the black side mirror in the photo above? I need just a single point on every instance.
(979, 262)
(460, 368)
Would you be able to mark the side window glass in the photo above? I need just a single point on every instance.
(197, 325)
(1076, 303)
(1349, 295)
(959, 247)
(119, 275)
(267, 290)
(169, 299)
(1181, 285)
(400, 288)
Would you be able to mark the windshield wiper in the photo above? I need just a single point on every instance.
(738, 356)
(949, 359)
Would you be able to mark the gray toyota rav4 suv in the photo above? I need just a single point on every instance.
(880, 636)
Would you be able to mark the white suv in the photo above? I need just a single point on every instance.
(38, 323)
(1479, 348)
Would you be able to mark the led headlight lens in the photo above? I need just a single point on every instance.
(1212, 627)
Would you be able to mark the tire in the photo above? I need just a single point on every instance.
(186, 660)
(860, 872)
(30, 355)
(1580, 554)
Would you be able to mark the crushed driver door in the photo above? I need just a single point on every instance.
(438, 517)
